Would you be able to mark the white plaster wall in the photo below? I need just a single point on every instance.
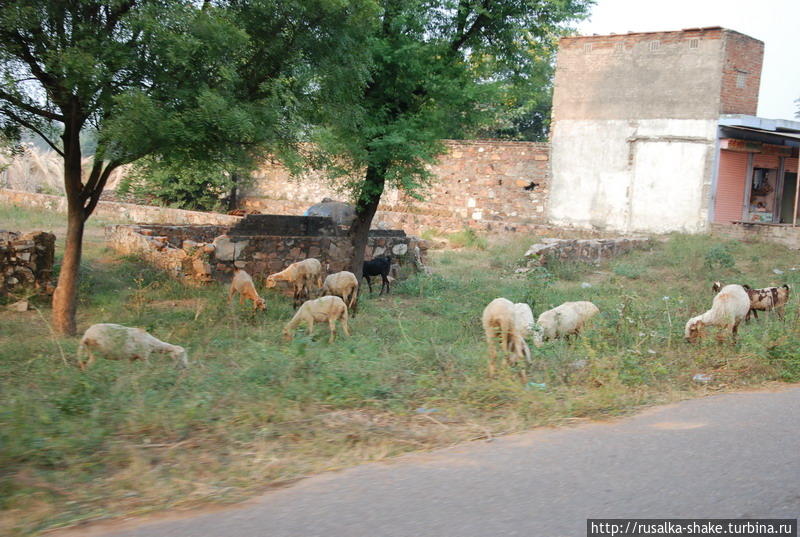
(631, 175)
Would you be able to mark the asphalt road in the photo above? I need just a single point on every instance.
(727, 456)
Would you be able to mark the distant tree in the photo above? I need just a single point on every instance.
(797, 114)
(522, 111)
(204, 82)
(198, 186)
(437, 65)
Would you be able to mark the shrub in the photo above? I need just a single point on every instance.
(468, 238)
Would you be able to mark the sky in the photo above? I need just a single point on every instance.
(775, 22)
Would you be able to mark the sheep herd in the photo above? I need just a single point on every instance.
(503, 321)
(338, 298)
(512, 323)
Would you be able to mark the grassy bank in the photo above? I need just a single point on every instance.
(253, 411)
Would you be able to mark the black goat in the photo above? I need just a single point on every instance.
(380, 266)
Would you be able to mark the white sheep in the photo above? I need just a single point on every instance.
(242, 283)
(344, 285)
(326, 308)
(729, 308)
(119, 342)
(764, 299)
(301, 275)
(511, 323)
(564, 320)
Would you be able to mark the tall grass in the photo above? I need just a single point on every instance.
(131, 437)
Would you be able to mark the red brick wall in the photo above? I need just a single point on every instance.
(627, 41)
(743, 58)
(691, 74)
(645, 75)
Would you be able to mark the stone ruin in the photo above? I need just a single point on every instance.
(259, 244)
(26, 261)
(583, 250)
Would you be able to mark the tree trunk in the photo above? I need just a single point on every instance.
(233, 198)
(366, 207)
(66, 294)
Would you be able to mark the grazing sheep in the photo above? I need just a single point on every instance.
(326, 308)
(565, 320)
(242, 283)
(380, 266)
(525, 323)
(344, 285)
(301, 275)
(729, 308)
(121, 342)
(512, 323)
(764, 299)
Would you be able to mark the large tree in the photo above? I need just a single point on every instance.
(437, 67)
(173, 79)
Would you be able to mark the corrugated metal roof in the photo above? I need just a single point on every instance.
(782, 134)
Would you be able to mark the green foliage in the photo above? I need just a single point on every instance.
(439, 70)
(193, 185)
(628, 270)
(719, 256)
(217, 82)
(468, 238)
(567, 269)
(260, 81)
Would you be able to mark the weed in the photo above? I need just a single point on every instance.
(628, 270)
(468, 238)
(719, 256)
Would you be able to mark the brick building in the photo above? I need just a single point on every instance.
(657, 132)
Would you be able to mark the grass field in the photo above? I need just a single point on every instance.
(251, 412)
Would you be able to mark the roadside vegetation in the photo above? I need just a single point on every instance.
(252, 412)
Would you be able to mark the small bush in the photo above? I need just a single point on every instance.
(468, 238)
(719, 256)
(628, 270)
(568, 270)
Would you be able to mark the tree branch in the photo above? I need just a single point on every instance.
(94, 195)
(28, 125)
(477, 25)
(113, 17)
(47, 80)
(30, 108)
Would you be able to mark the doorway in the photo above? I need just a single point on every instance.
(787, 199)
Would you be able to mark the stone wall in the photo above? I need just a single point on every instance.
(488, 185)
(118, 210)
(779, 234)
(198, 254)
(583, 250)
(26, 261)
